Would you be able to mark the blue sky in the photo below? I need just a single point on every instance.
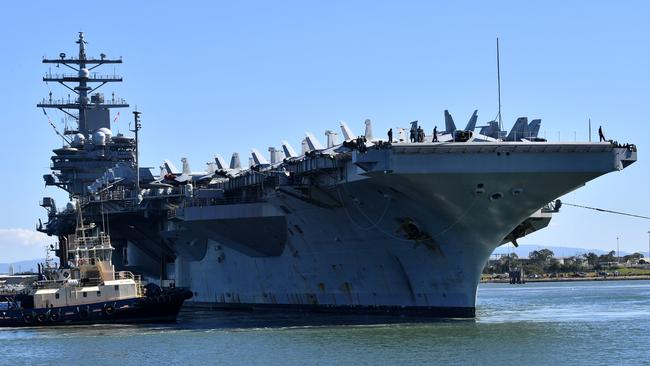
(218, 77)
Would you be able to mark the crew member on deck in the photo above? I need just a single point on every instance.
(435, 134)
(413, 134)
(390, 135)
(601, 134)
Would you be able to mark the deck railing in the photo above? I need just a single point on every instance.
(126, 275)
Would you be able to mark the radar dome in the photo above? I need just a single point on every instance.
(84, 73)
(78, 139)
(99, 138)
(108, 133)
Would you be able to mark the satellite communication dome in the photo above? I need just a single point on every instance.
(84, 73)
(108, 133)
(70, 206)
(78, 139)
(99, 138)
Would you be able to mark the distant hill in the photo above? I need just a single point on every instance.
(524, 250)
(21, 266)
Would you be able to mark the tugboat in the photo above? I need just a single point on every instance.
(89, 290)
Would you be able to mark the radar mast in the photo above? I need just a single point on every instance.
(92, 113)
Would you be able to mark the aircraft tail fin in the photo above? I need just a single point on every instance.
(170, 168)
(533, 128)
(332, 139)
(347, 132)
(491, 130)
(312, 142)
(450, 126)
(518, 131)
(234, 161)
(186, 166)
(221, 164)
(471, 124)
(258, 158)
(288, 150)
(369, 136)
(210, 169)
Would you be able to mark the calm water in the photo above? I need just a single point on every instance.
(590, 323)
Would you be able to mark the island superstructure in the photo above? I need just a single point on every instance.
(362, 225)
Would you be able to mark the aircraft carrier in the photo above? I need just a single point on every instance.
(363, 224)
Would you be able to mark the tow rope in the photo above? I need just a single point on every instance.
(608, 211)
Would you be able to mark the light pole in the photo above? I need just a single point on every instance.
(648, 247)
(618, 252)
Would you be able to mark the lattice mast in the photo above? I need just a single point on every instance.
(83, 79)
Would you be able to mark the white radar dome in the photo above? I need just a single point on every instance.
(99, 138)
(78, 139)
(108, 133)
(84, 73)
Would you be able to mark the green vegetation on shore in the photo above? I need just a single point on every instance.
(543, 264)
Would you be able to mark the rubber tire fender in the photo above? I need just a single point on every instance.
(28, 318)
(109, 310)
(83, 314)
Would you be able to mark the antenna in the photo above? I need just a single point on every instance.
(83, 102)
(499, 85)
(138, 125)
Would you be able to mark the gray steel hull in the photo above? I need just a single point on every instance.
(358, 255)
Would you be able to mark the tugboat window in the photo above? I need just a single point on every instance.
(56, 296)
(99, 293)
(85, 294)
(116, 287)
